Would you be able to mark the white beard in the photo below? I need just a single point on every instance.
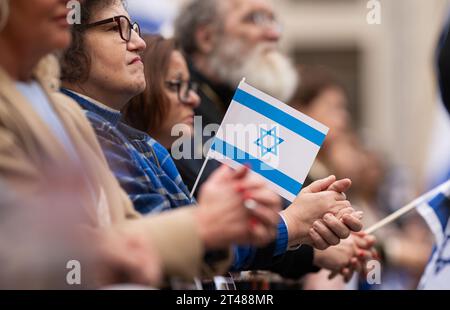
(264, 67)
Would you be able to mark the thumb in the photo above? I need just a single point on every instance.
(240, 173)
(320, 185)
(341, 186)
(223, 173)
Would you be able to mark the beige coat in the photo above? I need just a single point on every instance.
(30, 154)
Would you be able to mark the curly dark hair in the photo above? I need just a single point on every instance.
(75, 62)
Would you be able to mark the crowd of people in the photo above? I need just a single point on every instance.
(87, 113)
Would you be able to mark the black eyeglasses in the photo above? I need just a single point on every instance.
(183, 88)
(124, 24)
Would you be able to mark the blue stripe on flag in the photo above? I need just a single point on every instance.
(279, 116)
(257, 166)
(441, 206)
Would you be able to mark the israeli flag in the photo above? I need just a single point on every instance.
(274, 140)
(436, 212)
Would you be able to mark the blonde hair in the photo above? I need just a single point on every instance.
(4, 13)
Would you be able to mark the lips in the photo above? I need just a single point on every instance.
(61, 19)
(136, 60)
(189, 119)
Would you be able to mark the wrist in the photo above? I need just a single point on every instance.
(317, 258)
(296, 234)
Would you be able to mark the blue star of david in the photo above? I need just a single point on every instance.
(269, 141)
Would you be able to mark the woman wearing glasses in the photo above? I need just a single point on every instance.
(169, 98)
(102, 70)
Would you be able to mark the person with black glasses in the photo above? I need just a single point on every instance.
(102, 70)
(122, 25)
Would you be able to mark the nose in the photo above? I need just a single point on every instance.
(65, 2)
(136, 43)
(272, 33)
(193, 100)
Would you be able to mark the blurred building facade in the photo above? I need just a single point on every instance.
(387, 68)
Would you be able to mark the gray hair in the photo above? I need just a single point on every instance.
(192, 16)
(4, 13)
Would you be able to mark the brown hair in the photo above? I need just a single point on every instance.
(147, 111)
(4, 13)
(75, 62)
(194, 15)
(313, 81)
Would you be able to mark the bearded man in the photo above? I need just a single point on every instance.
(225, 41)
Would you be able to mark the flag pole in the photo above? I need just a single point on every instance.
(199, 176)
(394, 216)
(411, 206)
(204, 165)
(391, 218)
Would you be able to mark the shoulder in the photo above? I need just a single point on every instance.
(103, 128)
(73, 114)
(68, 106)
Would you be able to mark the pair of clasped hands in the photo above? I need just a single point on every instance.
(320, 216)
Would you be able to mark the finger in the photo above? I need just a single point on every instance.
(261, 236)
(333, 275)
(371, 240)
(240, 173)
(360, 242)
(340, 208)
(338, 228)
(265, 197)
(375, 254)
(319, 185)
(339, 196)
(265, 216)
(364, 243)
(356, 264)
(224, 172)
(340, 186)
(152, 273)
(252, 182)
(318, 241)
(364, 255)
(348, 274)
(345, 208)
(353, 223)
(326, 233)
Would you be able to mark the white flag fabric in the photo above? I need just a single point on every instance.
(274, 140)
(436, 212)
